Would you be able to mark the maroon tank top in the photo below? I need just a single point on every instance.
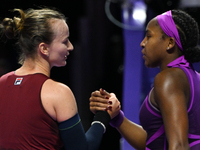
(24, 124)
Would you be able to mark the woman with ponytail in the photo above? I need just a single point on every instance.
(37, 112)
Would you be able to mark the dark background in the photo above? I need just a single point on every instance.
(97, 59)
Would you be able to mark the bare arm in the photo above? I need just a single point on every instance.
(171, 94)
(133, 133)
(58, 100)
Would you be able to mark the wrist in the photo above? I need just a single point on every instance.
(103, 118)
(117, 121)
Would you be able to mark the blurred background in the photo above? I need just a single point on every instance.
(106, 35)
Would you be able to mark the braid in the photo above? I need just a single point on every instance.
(189, 35)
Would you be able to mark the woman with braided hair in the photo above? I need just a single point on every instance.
(169, 116)
(37, 112)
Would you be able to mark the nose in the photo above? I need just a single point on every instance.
(143, 43)
(70, 46)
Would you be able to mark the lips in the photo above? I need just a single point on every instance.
(143, 56)
(66, 55)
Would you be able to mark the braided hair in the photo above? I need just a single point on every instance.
(189, 35)
(30, 29)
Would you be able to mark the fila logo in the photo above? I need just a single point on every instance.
(18, 81)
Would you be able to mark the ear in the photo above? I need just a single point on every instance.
(171, 43)
(43, 48)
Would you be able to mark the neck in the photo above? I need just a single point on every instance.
(169, 58)
(32, 66)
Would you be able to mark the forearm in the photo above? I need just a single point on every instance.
(134, 134)
(73, 134)
(180, 147)
(75, 138)
(178, 142)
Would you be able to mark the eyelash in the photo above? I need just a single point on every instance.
(66, 41)
(148, 36)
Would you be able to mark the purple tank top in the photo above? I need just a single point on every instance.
(151, 119)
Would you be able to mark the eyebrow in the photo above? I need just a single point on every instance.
(66, 37)
(147, 31)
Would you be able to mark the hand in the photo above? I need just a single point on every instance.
(102, 100)
(99, 100)
(114, 110)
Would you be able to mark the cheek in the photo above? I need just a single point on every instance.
(58, 50)
(151, 55)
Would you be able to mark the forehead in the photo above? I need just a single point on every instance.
(60, 28)
(153, 26)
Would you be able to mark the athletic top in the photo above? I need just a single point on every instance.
(24, 124)
(151, 119)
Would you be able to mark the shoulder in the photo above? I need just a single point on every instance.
(170, 84)
(7, 75)
(57, 87)
(58, 97)
(171, 76)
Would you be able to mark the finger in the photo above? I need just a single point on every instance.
(95, 93)
(97, 104)
(112, 95)
(98, 94)
(109, 108)
(95, 109)
(98, 99)
(104, 92)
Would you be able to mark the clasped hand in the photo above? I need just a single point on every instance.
(104, 101)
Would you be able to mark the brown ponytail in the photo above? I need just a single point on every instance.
(9, 28)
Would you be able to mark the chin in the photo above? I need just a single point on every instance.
(147, 65)
(61, 65)
(150, 66)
